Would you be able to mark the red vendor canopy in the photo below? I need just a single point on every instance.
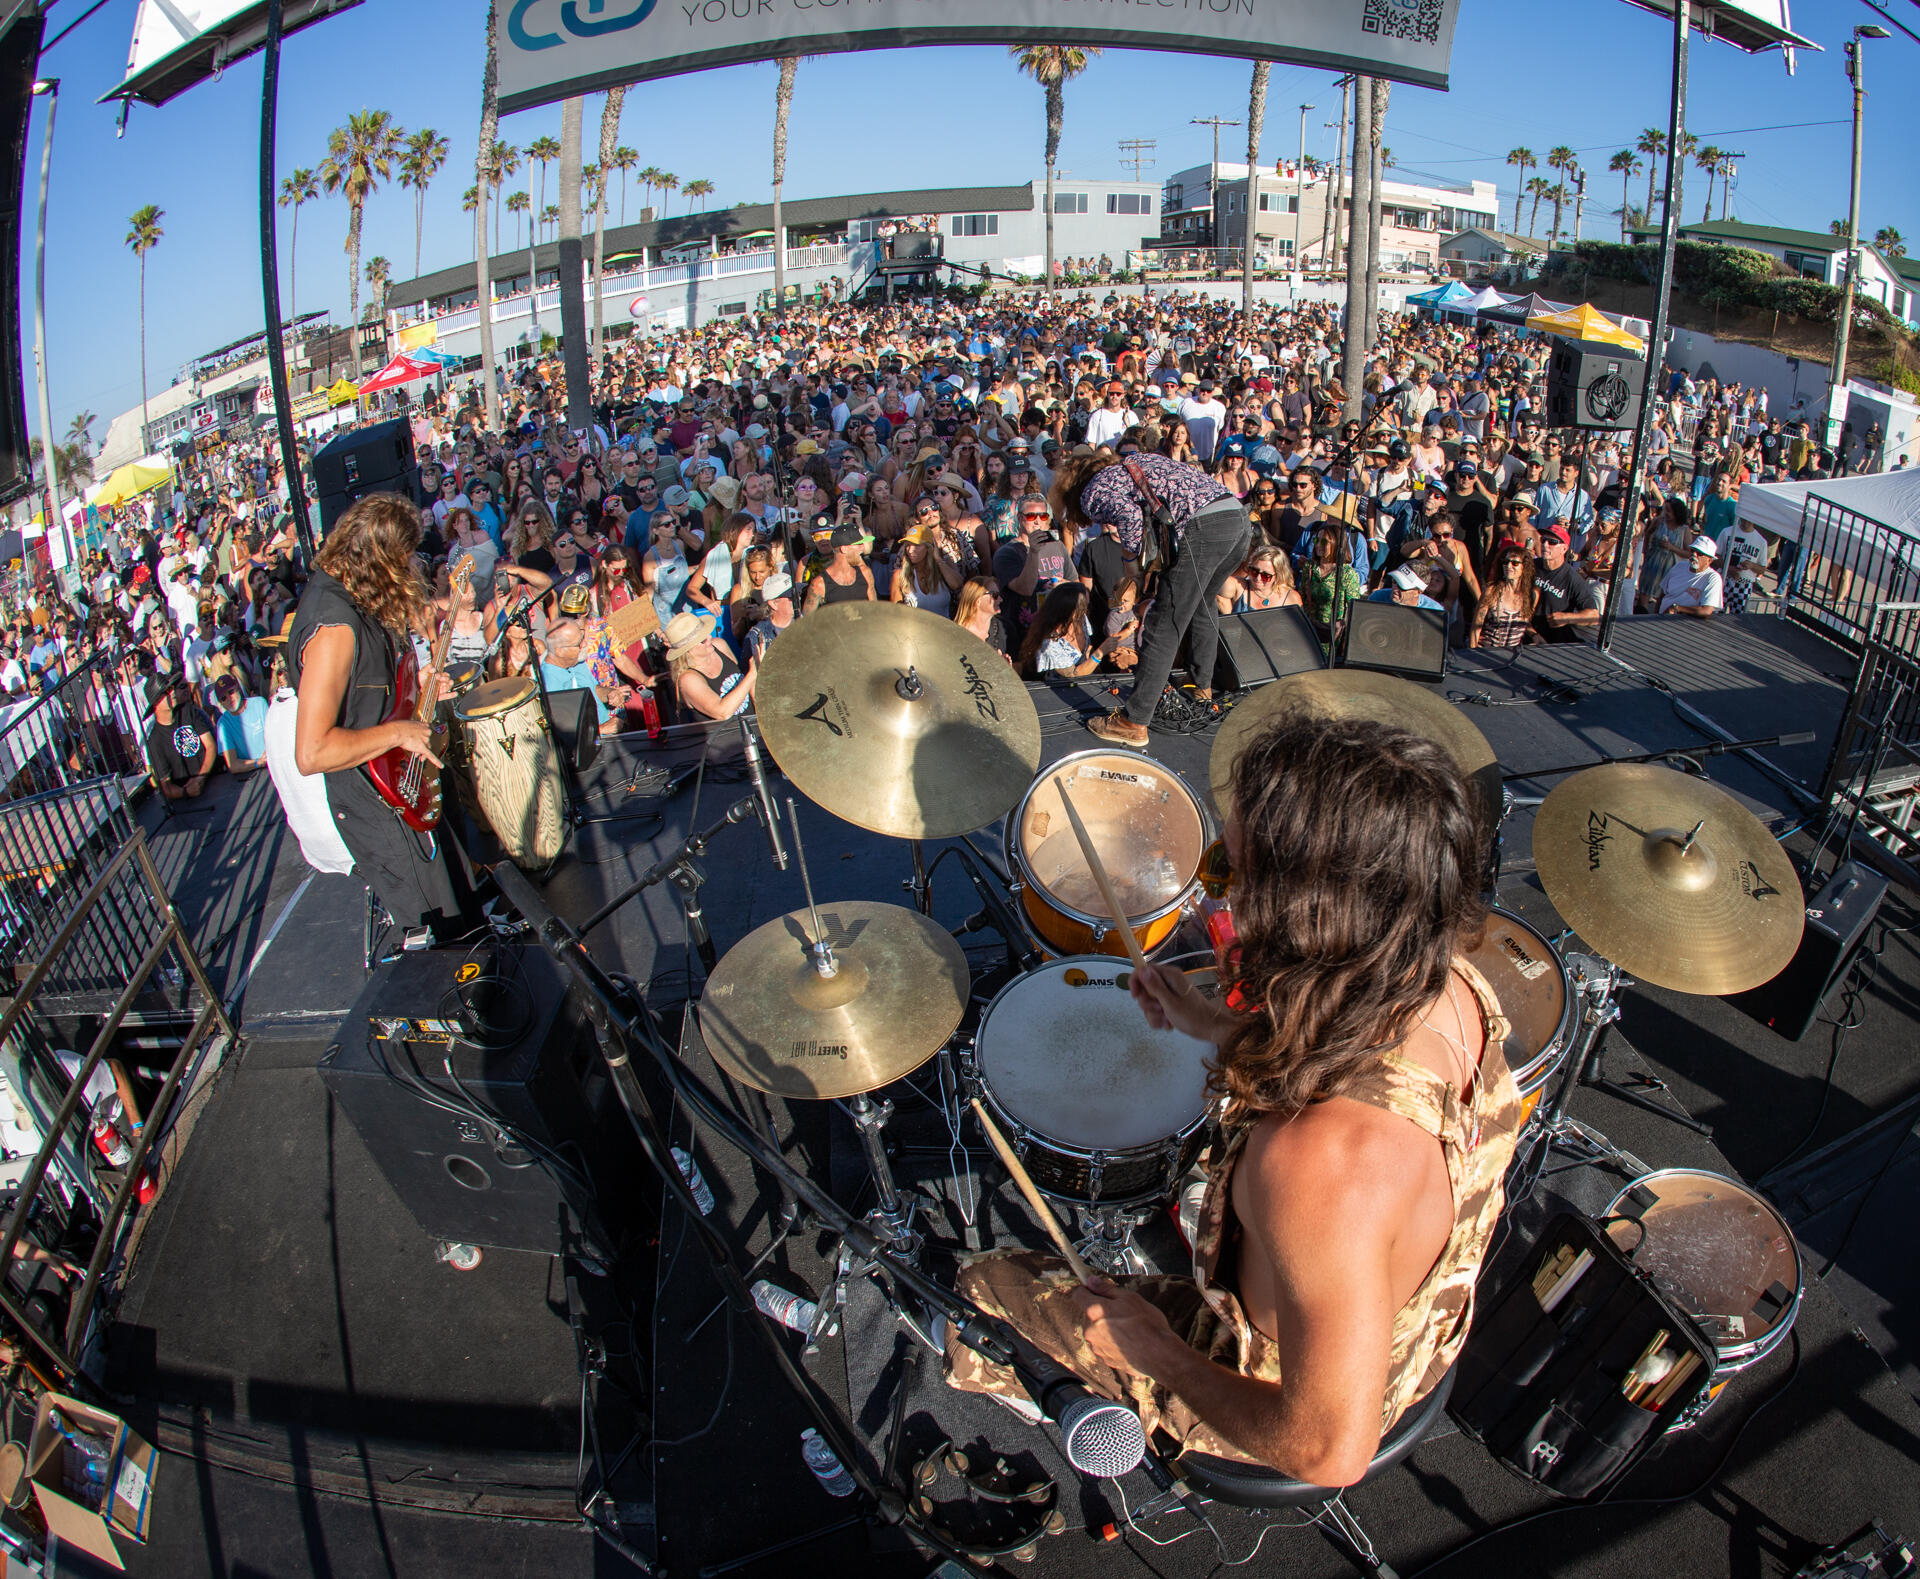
(403, 369)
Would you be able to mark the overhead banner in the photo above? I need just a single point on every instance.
(556, 49)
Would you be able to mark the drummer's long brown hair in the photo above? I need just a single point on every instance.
(369, 551)
(1358, 882)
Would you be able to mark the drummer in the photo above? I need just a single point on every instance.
(1369, 1120)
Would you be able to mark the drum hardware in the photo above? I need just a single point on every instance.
(1107, 1246)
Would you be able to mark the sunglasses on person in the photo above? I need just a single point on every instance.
(1263, 575)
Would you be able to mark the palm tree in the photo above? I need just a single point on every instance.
(1890, 241)
(483, 179)
(616, 101)
(1521, 159)
(517, 204)
(550, 215)
(80, 430)
(143, 235)
(782, 110)
(1652, 143)
(300, 187)
(1537, 188)
(1376, 138)
(702, 190)
(1565, 161)
(72, 465)
(1353, 358)
(543, 151)
(1560, 196)
(1836, 227)
(1628, 166)
(426, 152)
(1053, 66)
(625, 160)
(1708, 159)
(1256, 120)
(667, 181)
(360, 155)
(649, 178)
(506, 164)
(589, 180)
(379, 277)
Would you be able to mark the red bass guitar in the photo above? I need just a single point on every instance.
(407, 783)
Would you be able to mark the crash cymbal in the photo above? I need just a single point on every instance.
(772, 1020)
(897, 720)
(1669, 877)
(1357, 693)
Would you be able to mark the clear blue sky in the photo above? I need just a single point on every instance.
(869, 122)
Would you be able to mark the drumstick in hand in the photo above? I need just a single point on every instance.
(1105, 883)
(1035, 1199)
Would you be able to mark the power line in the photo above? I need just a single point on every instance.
(1137, 152)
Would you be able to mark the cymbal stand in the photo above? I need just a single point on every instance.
(919, 885)
(1107, 1245)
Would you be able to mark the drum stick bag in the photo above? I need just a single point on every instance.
(1547, 1382)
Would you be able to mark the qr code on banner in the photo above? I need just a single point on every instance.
(1418, 20)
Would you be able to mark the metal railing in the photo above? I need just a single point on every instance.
(1885, 696)
(66, 760)
(131, 864)
(1849, 566)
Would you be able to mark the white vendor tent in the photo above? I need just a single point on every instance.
(1890, 498)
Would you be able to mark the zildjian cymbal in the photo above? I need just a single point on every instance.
(1358, 693)
(897, 720)
(774, 1020)
(1669, 877)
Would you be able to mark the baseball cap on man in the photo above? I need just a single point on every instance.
(775, 586)
(1407, 579)
(1556, 533)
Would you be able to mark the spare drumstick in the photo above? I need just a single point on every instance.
(1035, 1199)
(1100, 878)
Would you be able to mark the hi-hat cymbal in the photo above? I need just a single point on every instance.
(1669, 877)
(1357, 693)
(897, 720)
(772, 1020)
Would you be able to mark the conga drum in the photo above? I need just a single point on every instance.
(516, 769)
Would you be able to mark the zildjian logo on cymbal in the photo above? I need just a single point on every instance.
(1597, 839)
(979, 690)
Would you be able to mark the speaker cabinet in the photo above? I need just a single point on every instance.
(1396, 640)
(1593, 386)
(1837, 918)
(1263, 645)
(527, 1143)
(371, 460)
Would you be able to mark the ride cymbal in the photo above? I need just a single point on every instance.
(1357, 693)
(897, 720)
(1669, 877)
(772, 1020)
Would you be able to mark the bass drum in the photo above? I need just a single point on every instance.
(1151, 832)
(516, 770)
(1103, 1109)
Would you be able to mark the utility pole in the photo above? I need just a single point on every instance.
(1300, 186)
(1213, 170)
(1726, 179)
(1579, 201)
(1137, 152)
(1837, 392)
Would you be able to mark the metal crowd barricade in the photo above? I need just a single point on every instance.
(66, 760)
(133, 862)
(1886, 693)
(1850, 566)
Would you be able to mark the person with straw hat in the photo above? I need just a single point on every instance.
(706, 678)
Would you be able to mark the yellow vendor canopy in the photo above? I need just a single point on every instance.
(136, 477)
(416, 336)
(342, 392)
(1584, 323)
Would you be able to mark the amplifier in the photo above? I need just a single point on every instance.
(1262, 645)
(1837, 918)
(1396, 640)
(510, 1144)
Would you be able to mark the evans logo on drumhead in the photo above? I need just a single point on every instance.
(1079, 978)
(1109, 776)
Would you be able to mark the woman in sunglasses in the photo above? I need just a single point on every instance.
(1265, 581)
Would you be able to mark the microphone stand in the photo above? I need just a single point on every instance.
(1338, 608)
(569, 777)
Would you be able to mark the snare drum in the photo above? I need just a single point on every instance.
(1102, 1108)
(1151, 832)
(1536, 995)
(1720, 1252)
(516, 771)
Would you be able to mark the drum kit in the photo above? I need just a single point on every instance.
(907, 725)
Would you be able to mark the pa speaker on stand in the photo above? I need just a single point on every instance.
(371, 460)
(1593, 386)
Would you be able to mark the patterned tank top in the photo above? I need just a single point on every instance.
(1477, 1133)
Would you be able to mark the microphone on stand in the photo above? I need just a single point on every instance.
(763, 797)
(520, 607)
(1100, 1437)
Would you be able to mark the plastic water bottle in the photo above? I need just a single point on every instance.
(84, 1463)
(790, 1310)
(650, 711)
(696, 1181)
(826, 1465)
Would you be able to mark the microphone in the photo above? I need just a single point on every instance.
(519, 608)
(1001, 915)
(1101, 1438)
(763, 797)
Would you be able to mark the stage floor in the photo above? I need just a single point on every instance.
(292, 1301)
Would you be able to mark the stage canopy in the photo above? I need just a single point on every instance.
(557, 49)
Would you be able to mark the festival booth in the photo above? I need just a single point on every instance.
(1477, 302)
(339, 393)
(1442, 298)
(1586, 323)
(1888, 499)
(129, 481)
(1514, 312)
(405, 368)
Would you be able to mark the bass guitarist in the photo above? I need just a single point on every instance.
(350, 636)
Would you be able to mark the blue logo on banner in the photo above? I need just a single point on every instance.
(591, 25)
